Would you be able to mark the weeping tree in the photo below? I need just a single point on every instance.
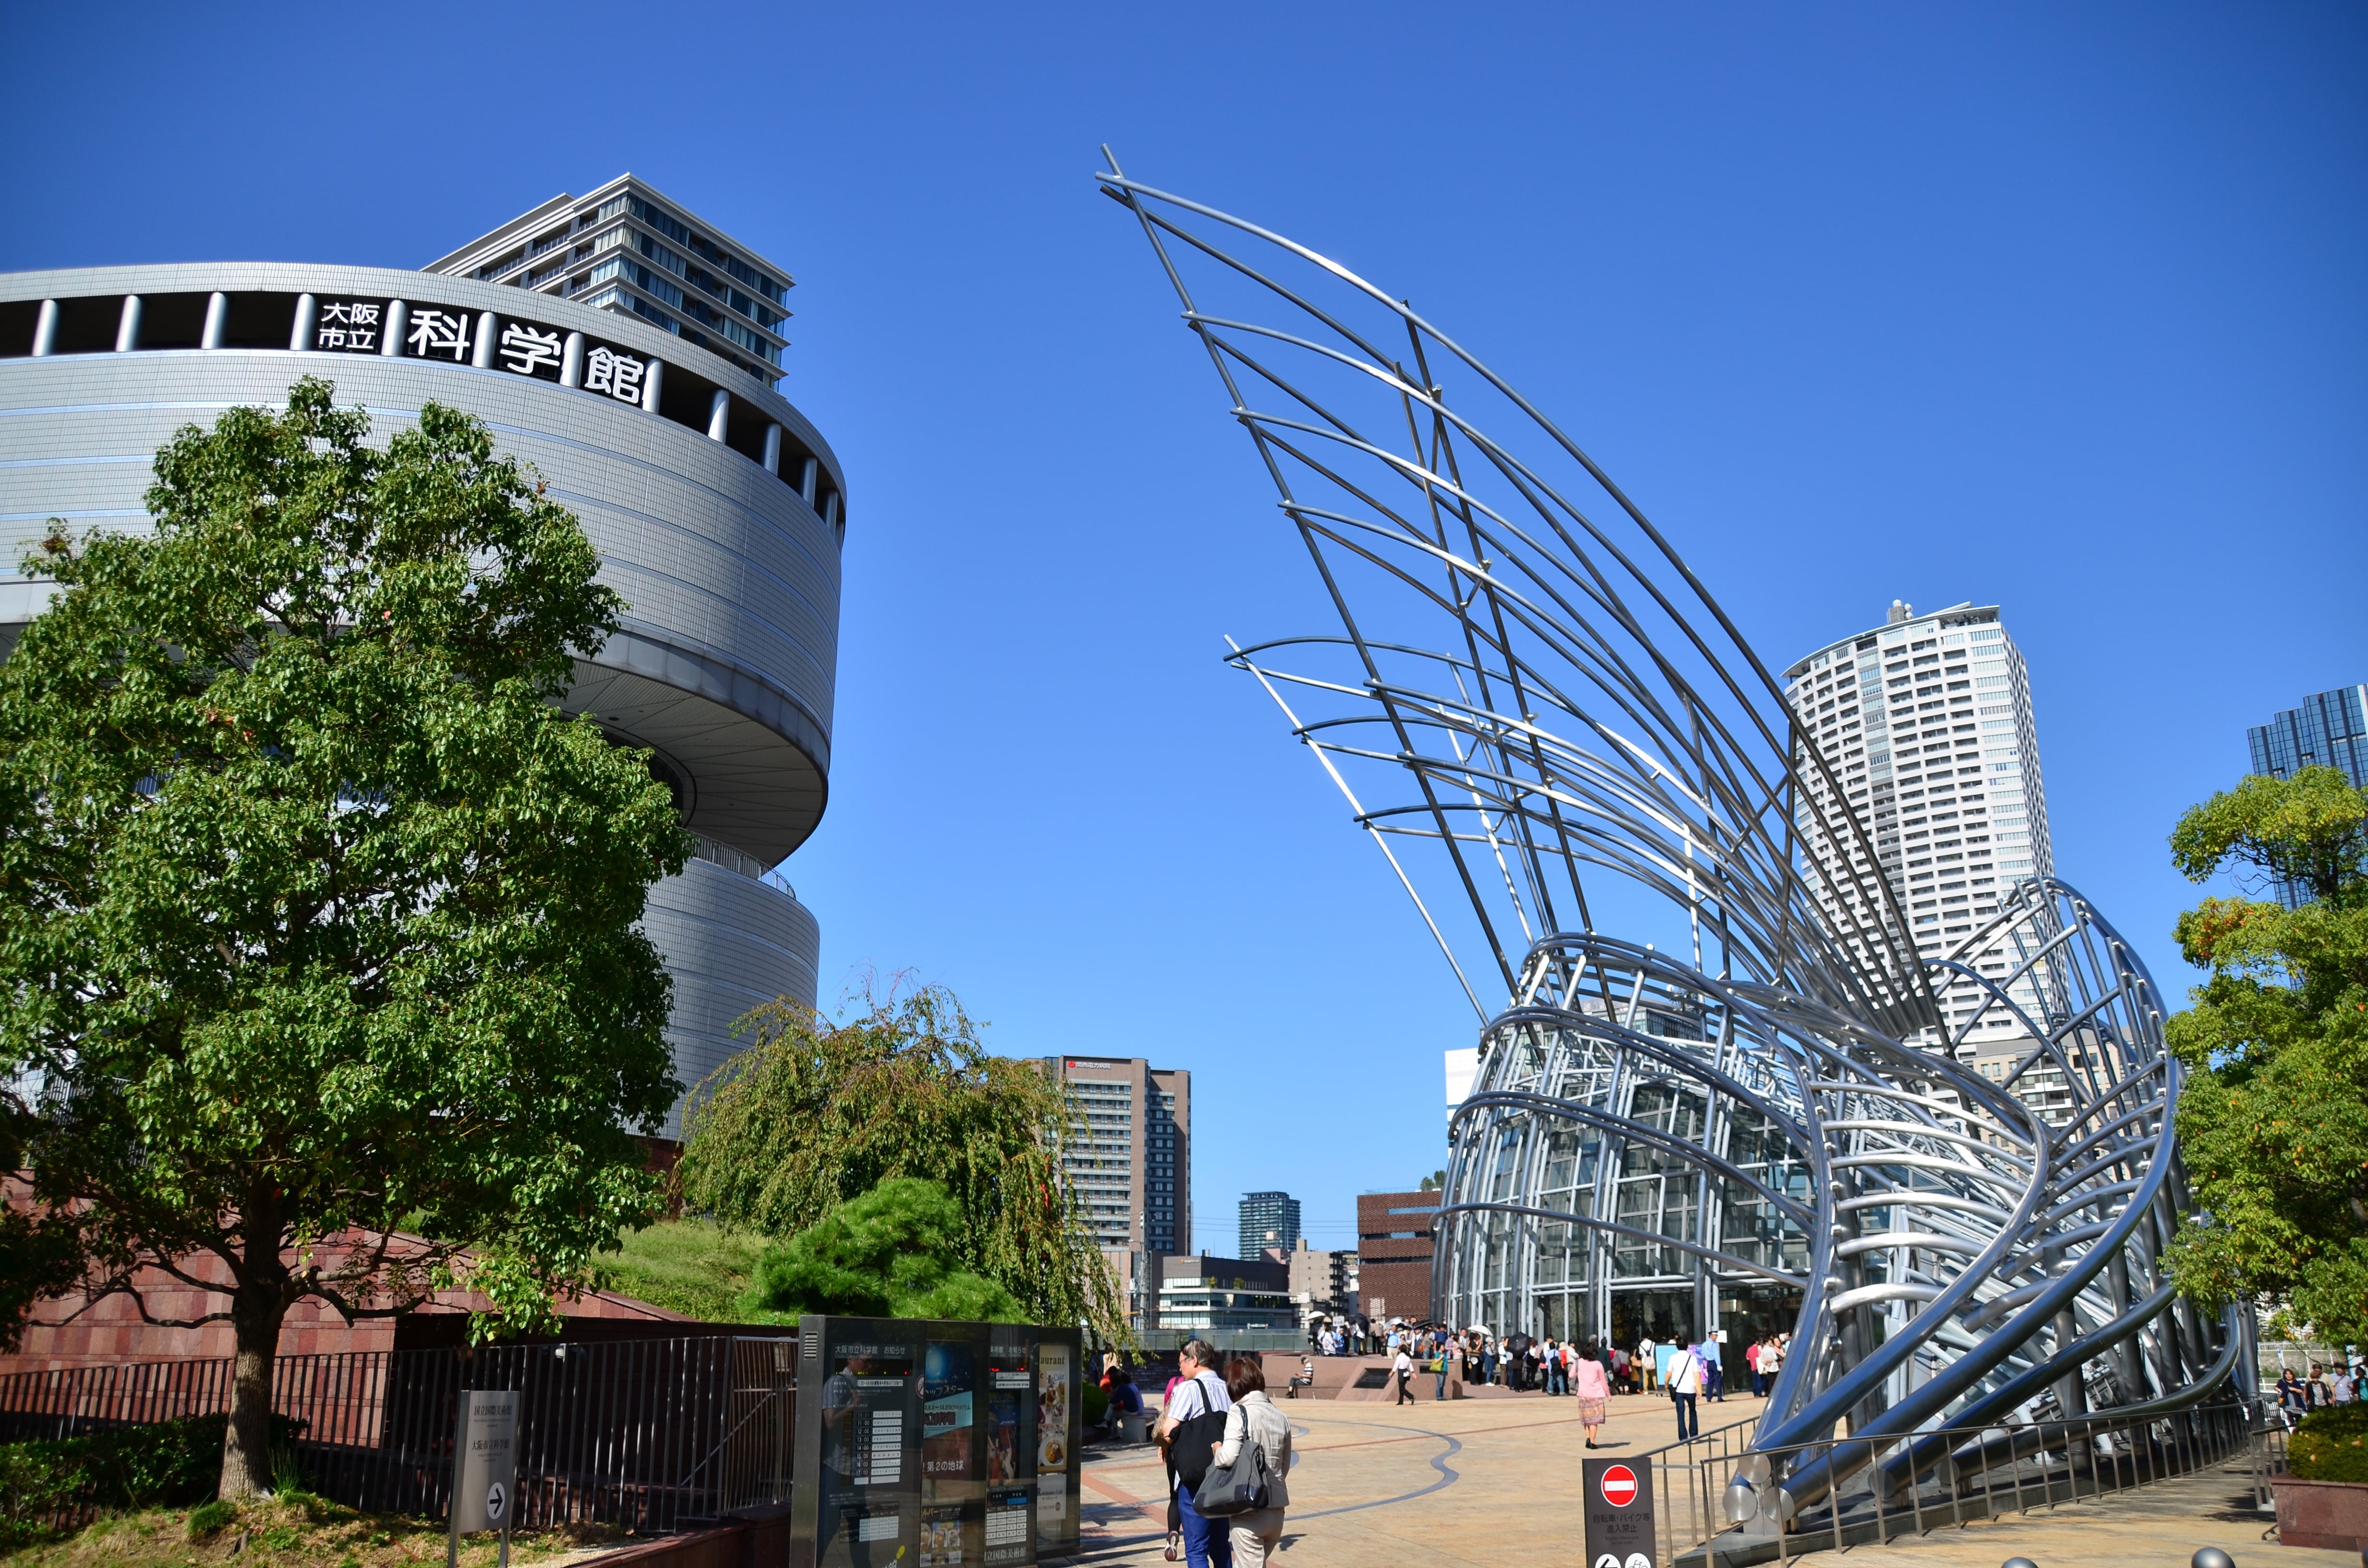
(318, 921)
(816, 1114)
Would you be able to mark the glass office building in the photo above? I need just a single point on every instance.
(2328, 729)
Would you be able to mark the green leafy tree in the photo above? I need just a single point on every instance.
(2274, 1123)
(816, 1114)
(316, 918)
(895, 1252)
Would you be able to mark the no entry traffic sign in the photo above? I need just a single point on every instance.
(1618, 1513)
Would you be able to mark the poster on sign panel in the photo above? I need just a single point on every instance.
(1618, 1513)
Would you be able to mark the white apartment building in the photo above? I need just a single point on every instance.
(1926, 720)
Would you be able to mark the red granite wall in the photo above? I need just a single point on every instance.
(76, 1331)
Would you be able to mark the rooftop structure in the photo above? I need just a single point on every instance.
(627, 249)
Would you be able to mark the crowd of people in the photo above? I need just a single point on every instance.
(1208, 1387)
(2298, 1396)
(1691, 1372)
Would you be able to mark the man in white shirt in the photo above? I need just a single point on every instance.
(1403, 1368)
(1207, 1543)
(1685, 1385)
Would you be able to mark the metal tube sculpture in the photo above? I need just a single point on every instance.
(1533, 701)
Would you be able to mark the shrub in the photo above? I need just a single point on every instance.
(894, 1251)
(2330, 1445)
(46, 1486)
(1097, 1404)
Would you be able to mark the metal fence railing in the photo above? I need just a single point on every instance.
(654, 1435)
(1720, 1503)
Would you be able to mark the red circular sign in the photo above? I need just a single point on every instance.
(1619, 1486)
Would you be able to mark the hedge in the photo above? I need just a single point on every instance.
(2330, 1445)
(49, 1487)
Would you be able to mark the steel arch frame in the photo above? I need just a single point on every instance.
(1564, 695)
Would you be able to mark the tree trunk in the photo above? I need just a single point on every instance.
(256, 1310)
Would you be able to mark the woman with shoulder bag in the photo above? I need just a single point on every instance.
(1254, 1421)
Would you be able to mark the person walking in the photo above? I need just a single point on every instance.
(1593, 1388)
(1257, 1535)
(2291, 1397)
(1647, 1374)
(1714, 1372)
(1199, 1391)
(1685, 1388)
(1402, 1367)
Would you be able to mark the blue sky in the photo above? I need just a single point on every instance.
(2076, 287)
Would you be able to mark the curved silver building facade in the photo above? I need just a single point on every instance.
(716, 507)
(1701, 1099)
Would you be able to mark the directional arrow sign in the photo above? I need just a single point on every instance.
(487, 1442)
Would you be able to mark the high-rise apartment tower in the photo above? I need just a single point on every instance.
(1268, 1220)
(1927, 721)
(1133, 1168)
(627, 250)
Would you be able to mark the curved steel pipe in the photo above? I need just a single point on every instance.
(1550, 727)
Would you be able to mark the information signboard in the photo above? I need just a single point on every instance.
(1619, 1513)
(929, 1444)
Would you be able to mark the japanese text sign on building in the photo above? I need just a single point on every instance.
(438, 335)
(486, 1490)
(350, 326)
(617, 375)
(528, 350)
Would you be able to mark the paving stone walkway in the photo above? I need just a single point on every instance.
(1493, 1481)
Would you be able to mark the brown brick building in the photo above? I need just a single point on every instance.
(1393, 1248)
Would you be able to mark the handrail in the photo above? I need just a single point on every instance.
(1720, 1504)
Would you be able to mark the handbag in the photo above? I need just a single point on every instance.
(1237, 1488)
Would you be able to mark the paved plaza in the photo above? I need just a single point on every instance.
(1495, 1481)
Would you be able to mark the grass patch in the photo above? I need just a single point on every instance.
(292, 1533)
(693, 1266)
